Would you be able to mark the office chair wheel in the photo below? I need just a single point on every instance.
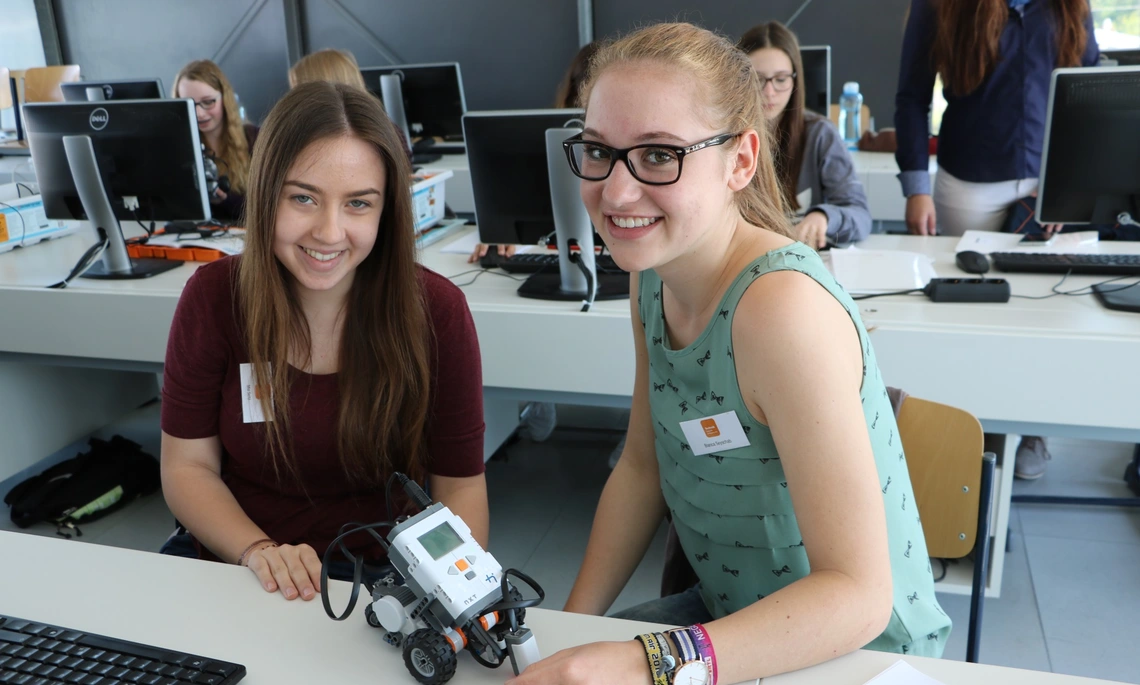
(429, 657)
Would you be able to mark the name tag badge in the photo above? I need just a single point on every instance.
(251, 411)
(718, 433)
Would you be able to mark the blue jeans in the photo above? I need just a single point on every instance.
(182, 545)
(682, 609)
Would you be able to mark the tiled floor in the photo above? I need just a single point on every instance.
(1070, 597)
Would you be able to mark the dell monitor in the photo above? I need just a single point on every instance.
(817, 78)
(120, 160)
(1090, 165)
(98, 91)
(507, 153)
(432, 99)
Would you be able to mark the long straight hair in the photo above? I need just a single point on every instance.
(384, 372)
(731, 91)
(789, 136)
(566, 97)
(968, 38)
(233, 150)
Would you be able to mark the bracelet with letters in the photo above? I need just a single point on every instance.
(656, 647)
(704, 647)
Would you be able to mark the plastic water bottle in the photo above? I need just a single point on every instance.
(850, 113)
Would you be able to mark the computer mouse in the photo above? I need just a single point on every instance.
(972, 262)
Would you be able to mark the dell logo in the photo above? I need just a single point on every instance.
(98, 119)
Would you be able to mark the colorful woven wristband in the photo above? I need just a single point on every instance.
(705, 648)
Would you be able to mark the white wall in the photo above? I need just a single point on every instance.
(21, 46)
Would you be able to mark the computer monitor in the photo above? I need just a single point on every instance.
(432, 97)
(817, 78)
(1121, 58)
(95, 91)
(121, 160)
(507, 154)
(1090, 165)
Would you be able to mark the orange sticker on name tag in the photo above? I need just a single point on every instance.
(3, 229)
(718, 433)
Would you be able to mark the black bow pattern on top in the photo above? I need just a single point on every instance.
(781, 571)
(731, 571)
(703, 557)
(719, 399)
(702, 360)
(724, 314)
(684, 407)
(907, 552)
(912, 598)
(658, 387)
(701, 397)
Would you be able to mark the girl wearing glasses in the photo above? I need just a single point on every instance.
(228, 139)
(759, 420)
(815, 171)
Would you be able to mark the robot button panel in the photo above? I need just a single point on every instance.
(461, 565)
(470, 575)
(452, 571)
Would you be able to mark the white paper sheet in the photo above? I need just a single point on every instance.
(865, 272)
(902, 673)
(1062, 243)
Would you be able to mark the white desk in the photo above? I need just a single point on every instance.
(1058, 367)
(876, 170)
(218, 611)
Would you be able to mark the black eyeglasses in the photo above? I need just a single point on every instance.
(781, 82)
(654, 164)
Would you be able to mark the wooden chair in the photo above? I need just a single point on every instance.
(953, 482)
(864, 117)
(41, 84)
(953, 488)
(5, 88)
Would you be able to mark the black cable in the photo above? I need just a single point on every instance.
(945, 568)
(85, 261)
(479, 272)
(1079, 292)
(897, 292)
(26, 186)
(23, 222)
(591, 286)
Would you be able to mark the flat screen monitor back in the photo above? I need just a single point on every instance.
(506, 152)
(817, 78)
(145, 89)
(433, 97)
(146, 149)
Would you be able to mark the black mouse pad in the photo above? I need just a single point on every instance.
(1115, 296)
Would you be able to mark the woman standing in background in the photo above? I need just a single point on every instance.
(996, 58)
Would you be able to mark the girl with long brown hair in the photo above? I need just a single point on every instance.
(227, 137)
(816, 172)
(759, 420)
(996, 58)
(302, 373)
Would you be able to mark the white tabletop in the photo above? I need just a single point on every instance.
(219, 611)
(1024, 362)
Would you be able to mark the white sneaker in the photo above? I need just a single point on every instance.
(539, 419)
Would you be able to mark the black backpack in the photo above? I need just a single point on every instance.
(87, 487)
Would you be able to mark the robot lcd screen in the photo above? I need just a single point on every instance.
(440, 540)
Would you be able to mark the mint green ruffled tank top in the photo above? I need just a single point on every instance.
(731, 509)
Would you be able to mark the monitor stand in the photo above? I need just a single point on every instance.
(116, 264)
(547, 285)
(576, 272)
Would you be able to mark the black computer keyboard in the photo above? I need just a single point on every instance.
(530, 263)
(1092, 264)
(34, 653)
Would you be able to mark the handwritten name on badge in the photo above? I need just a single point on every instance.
(718, 433)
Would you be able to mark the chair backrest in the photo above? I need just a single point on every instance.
(944, 449)
(5, 88)
(864, 117)
(41, 84)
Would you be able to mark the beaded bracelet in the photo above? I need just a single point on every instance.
(252, 545)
